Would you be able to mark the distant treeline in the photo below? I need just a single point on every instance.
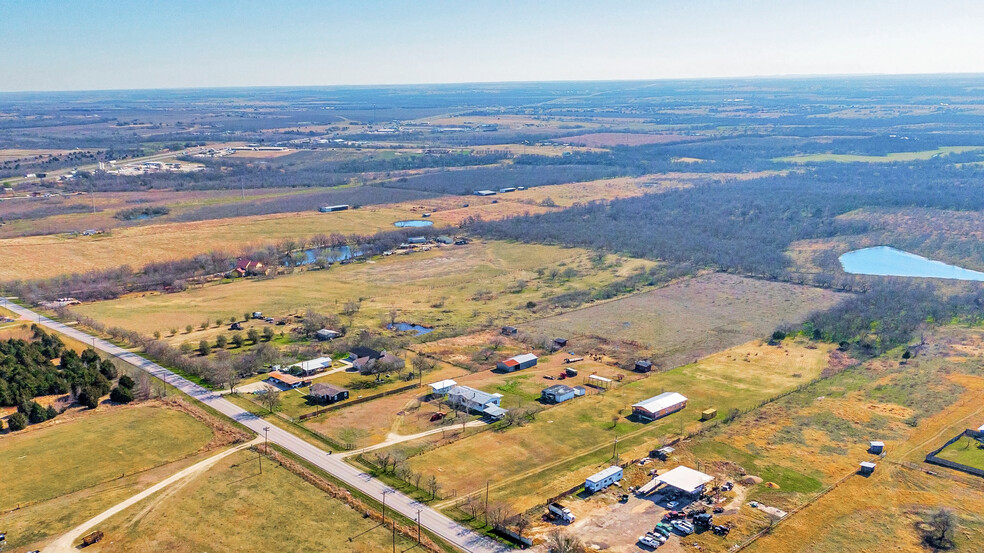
(135, 213)
(747, 226)
(467, 181)
(178, 274)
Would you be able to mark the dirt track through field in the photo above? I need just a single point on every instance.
(66, 543)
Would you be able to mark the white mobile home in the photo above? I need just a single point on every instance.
(603, 479)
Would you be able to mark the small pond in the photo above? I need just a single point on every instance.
(886, 261)
(413, 223)
(406, 327)
(334, 255)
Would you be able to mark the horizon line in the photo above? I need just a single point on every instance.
(778, 76)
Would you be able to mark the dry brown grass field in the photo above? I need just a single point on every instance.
(47, 256)
(451, 288)
(245, 510)
(694, 317)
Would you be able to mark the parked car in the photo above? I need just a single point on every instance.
(683, 527)
(648, 541)
(721, 530)
(671, 505)
(663, 529)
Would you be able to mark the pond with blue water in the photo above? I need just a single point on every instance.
(887, 261)
(407, 327)
(413, 223)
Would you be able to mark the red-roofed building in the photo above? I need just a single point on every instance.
(248, 267)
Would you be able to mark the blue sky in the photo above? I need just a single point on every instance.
(81, 45)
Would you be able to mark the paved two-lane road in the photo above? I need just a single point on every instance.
(435, 522)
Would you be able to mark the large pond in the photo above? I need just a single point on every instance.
(886, 261)
(413, 223)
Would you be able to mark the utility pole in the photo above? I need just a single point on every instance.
(615, 450)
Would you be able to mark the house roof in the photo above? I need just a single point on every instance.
(329, 332)
(494, 410)
(510, 362)
(443, 384)
(472, 394)
(660, 402)
(326, 390)
(599, 476)
(287, 379)
(361, 351)
(313, 364)
(877, 444)
(523, 358)
(558, 389)
(685, 478)
(867, 465)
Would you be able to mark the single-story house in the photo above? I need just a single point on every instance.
(686, 480)
(443, 387)
(507, 189)
(311, 366)
(559, 393)
(476, 401)
(333, 208)
(361, 351)
(326, 334)
(327, 393)
(485, 193)
(287, 380)
(517, 363)
(601, 480)
(659, 406)
(509, 331)
(643, 366)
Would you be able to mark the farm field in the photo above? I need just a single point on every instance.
(245, 511)
(888, 158)
(572, 440)
(451, 288)
(693, 318)
(608, 139)
(68, 455)
(47, 256)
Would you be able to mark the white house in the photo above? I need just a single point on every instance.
(476, 401)
(312, 366)
(443, 387)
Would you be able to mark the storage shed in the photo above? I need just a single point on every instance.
(643, 366)
(866, 468)
(558, 393)
(876, 447)
(601, 480)
(517, 363)
(708, 414)
(659, 406)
